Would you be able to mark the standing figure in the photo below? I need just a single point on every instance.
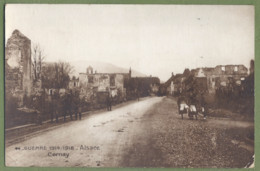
(109, 102)
(202, 104)
(69, 104)
(76, 110)
(56, 106)
(76, 103)
(41, 106)
(64, 105)
(192, 102)
(51, 107)
(81, 102)
(182, 104)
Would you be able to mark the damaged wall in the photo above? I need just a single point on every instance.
(18, 64)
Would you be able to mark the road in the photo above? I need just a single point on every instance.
(148, 133)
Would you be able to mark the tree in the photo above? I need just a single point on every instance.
(37, 61)
(56, 75)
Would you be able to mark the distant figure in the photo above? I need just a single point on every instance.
(64, 104)
(57, 106)
(182, 103)
(75, 105)
(109, 102)
(39, 117)
(202, 104)
(77, 108)
(69, 104)
(51, 105)
(40, 106)
(80, 107)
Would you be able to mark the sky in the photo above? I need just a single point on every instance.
(153, 39)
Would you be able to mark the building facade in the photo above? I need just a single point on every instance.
(93, 84)
(216, 77)
(222, 76)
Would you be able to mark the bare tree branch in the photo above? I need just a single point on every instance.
(37, 61)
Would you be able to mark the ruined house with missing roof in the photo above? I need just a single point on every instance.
(18, 76)
(219, 76)
(222, 76)
(96, 86)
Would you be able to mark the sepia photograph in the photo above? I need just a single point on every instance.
(129, 86)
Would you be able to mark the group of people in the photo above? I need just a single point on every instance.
(192, 98)
(68, 103)
(192, 103)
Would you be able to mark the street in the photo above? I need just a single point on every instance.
(145, 133)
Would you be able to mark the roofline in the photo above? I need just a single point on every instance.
(99, 73)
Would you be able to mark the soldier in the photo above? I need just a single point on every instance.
(39, 116)
(40, 106)
(56, 106)
(51, 109)
(108, 103)
(81, 102)
(76, 110)
(76, 103)
(64, 104)
(69, 104)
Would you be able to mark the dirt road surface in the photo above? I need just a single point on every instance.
(148, 133)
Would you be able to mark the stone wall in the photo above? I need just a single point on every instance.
(230, 70)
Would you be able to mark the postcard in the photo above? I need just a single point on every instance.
(129, 86)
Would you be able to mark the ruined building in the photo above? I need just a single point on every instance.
(94, 84)
(222, 75)
(219, 76)
(18, 79)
